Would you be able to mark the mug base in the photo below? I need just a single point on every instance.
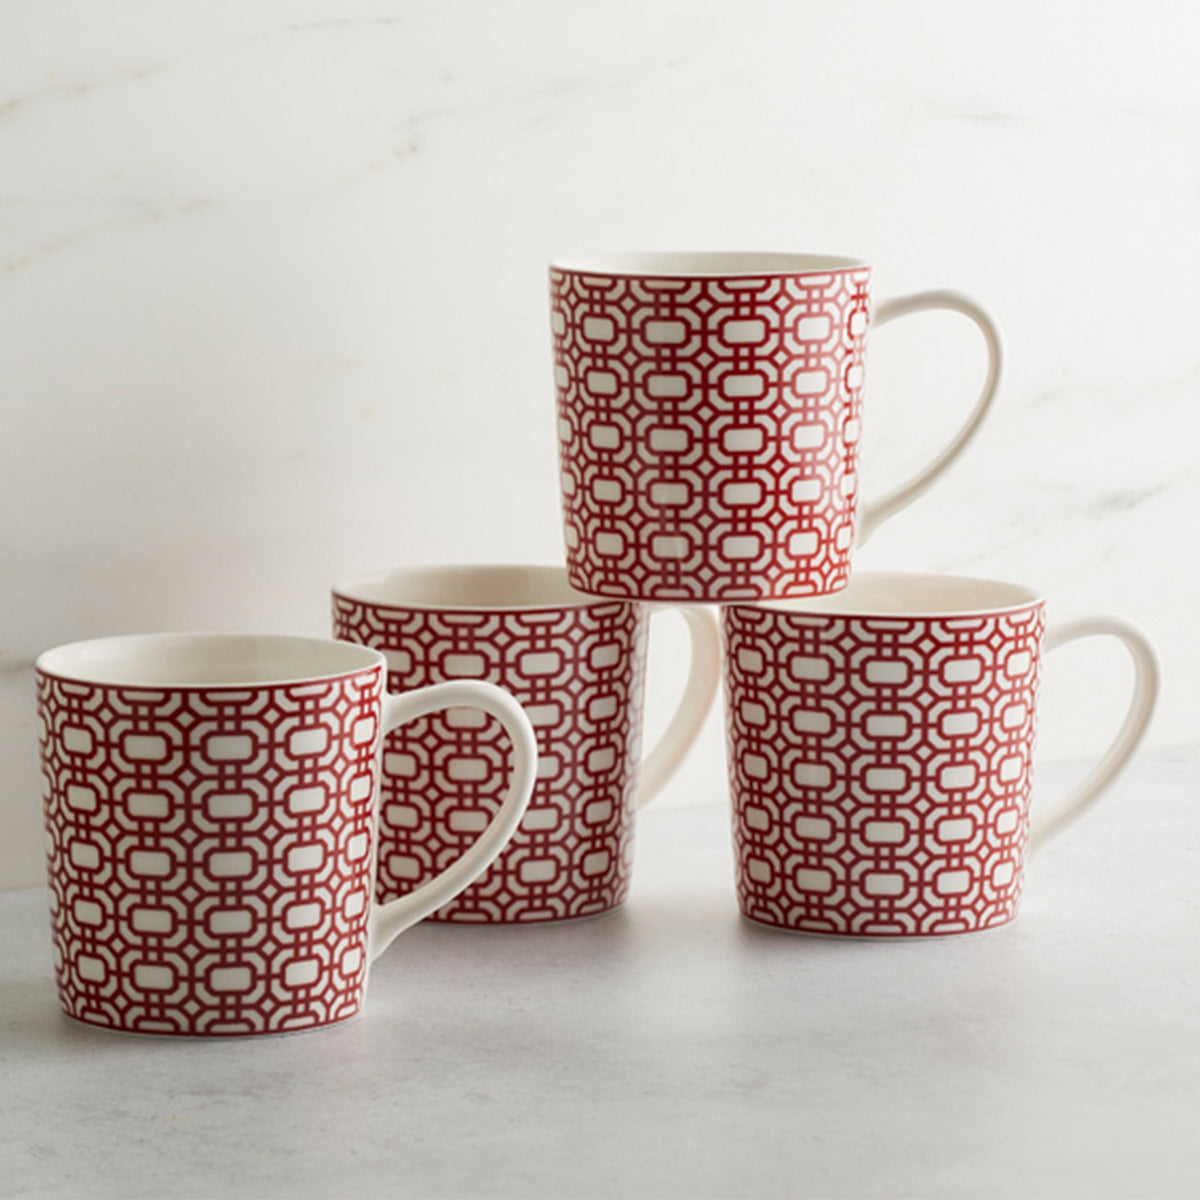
(895, 935)
(468, 921)
(701, 592)
(207, 1035)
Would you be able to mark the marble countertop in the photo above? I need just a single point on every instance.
(675, 1050)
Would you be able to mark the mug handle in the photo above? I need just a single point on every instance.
(704, 674)
(1146, 674)
(388, 921)
(874, 513)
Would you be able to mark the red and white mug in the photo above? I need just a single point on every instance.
(880, 747)
(577, 664)
(211, 820)
(709, 419)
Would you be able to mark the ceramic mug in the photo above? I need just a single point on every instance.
(880, 747)
(708, 417)
(211, 816)
(576, 663)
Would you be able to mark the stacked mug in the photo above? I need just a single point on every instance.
(237, 825)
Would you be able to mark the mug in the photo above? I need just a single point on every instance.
(708, 421)
(577, 664)
(211, 825)
(880, 747)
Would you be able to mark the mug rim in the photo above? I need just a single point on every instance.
(369, 589)
(704, 264)
(357, 658)
(844, 604)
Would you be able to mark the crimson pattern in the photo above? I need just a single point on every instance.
(880, 768)
(708, 432)
(210, 852)
(578, 672)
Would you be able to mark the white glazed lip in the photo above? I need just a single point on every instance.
(480, 587)
(206, 660)
(704, 264)
(904, 596)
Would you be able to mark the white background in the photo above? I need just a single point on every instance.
(273, 296)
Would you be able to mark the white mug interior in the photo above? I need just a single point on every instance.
(893, 594)
(205, 660)
(704, 263)
(468, 587)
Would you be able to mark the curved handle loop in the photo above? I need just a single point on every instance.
(389, 920)
(704, 674)
(1147, 672)
(873, 513)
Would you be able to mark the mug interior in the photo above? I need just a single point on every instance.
(468, 587)
(204, 660)
(703, 263)
(885, 594)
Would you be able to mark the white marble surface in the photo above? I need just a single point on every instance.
(672, 1050)
(272, 292)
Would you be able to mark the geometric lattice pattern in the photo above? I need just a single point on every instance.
(578, 672)
(210, 851)
(708, 432)
(880, 768)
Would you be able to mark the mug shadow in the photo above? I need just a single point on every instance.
(601, 933)
(34, 1023)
